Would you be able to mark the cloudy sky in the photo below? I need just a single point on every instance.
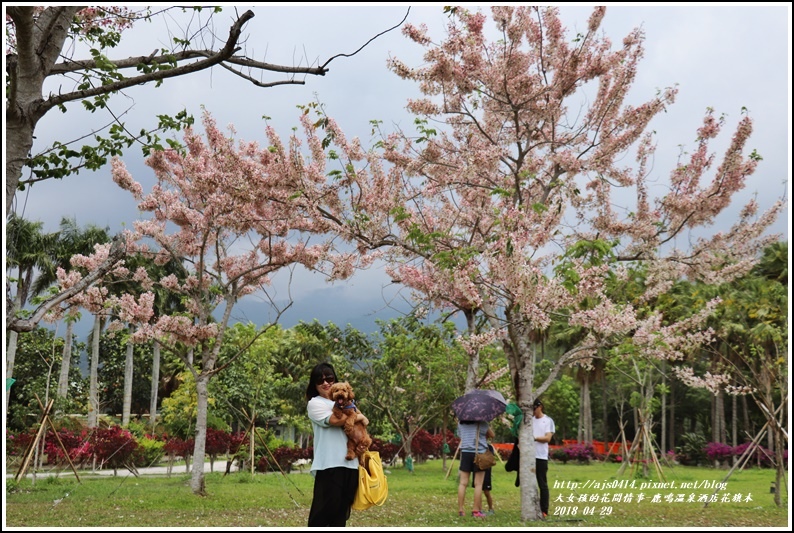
(726, 57)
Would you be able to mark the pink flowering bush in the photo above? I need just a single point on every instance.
(717, 451)
(581, 452)
(761, 456)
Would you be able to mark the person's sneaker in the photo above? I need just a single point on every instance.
(461, 513)
(490, 512)
(544, 515)
(477, 514)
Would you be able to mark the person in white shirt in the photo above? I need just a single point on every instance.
(335, 478)
(543, 430)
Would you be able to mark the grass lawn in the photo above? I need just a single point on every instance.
(586, 496)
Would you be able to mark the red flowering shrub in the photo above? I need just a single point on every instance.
(425, 444)
(235, 441)
(77, 443)
(387, 450)
(114, 446)
(17, 443)
(284, 457)
(176, 447)
(217, 443)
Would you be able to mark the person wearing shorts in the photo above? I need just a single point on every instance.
(472, 435)
(486, 480)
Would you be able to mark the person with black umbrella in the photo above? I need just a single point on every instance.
(473, 440)
(474, 410)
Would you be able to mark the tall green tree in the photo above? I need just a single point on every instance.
(36, 375)
(28, 253)
(112, 373)
(416, 371)
(246, 390)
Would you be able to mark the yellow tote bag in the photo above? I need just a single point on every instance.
(372, 485)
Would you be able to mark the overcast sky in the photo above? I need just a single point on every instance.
(726, 57)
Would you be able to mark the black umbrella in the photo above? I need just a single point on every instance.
(479, 406)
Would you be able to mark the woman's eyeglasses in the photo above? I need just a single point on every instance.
(327, 379)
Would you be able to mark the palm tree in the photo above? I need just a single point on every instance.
(774, 263)
(28, 251)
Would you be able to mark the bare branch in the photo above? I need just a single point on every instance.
(365, 44)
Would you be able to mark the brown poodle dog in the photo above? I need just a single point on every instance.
(358, 439)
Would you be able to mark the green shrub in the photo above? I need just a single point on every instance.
(149, 452)
(691, 452)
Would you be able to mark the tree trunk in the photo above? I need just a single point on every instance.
(11, 352)
(672, 426)
(66, 361)
(663, 421)
(721, 416)
(530, 497)
(93, 397)
(770, 438)
(473, 371)
(155, 384)
(780, 466)
(444, 418)
(746, 417)
(604, 409)
(587, 411)
(39, 44)
(408, 462)
(734, 424)
(19, 141)
(13, 340)
(197, 476)
(580, 423)
(128, 371)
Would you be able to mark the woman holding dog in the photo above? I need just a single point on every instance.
(335, 478)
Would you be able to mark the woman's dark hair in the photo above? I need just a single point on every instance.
(319, 372)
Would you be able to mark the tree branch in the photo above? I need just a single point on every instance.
(365, 44)
(117, 252)
(222, 55)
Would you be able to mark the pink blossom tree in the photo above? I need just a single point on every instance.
(232, 216)
(85, 287)
(44, 44)
(521, 205)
